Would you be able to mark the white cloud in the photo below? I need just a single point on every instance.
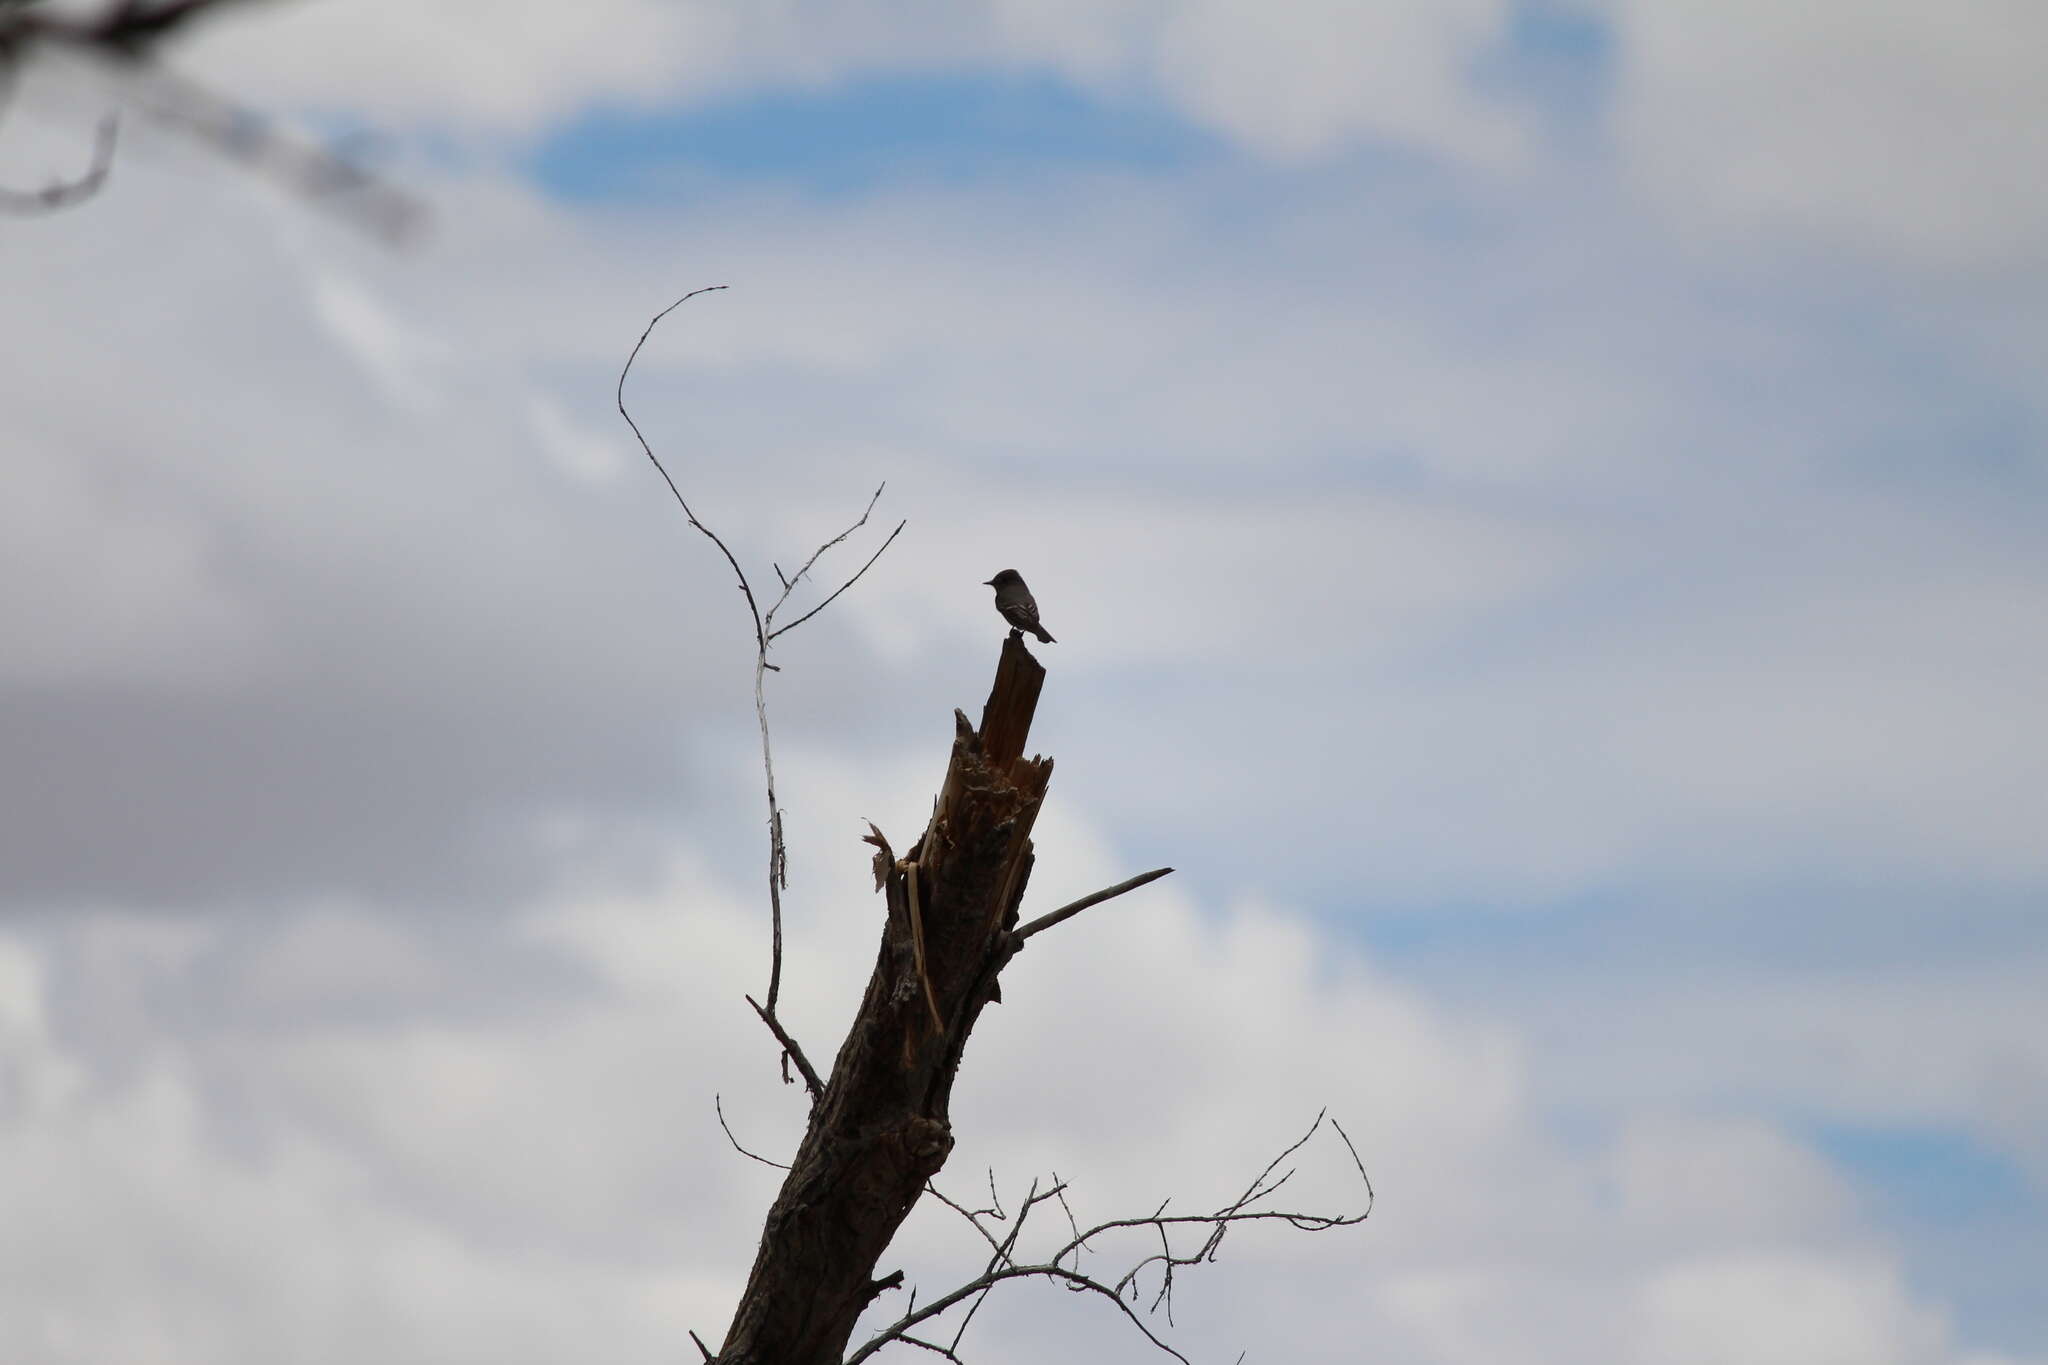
(1298, 80)
(1779, 1309)
(1741, 1182)
(401, 359)
(1290, 83)
(1898, 127)
(471, 64)
(433, 1189)
(1929, 1049)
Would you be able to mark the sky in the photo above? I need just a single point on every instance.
(1541, 509)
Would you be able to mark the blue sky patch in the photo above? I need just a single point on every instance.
(1924, 1174)
(1965, 1218)
(1559, 59)
(944, 128)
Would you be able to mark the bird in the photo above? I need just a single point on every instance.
(1015, 602)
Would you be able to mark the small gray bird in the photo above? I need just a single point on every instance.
(1015, 602)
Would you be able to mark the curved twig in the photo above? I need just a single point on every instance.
(619, 396)
(718, 1104)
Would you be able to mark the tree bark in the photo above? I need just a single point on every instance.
(881, 1128)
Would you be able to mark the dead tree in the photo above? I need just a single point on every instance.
(881, 1129)
(880, 1125)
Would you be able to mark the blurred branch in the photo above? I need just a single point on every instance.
(126, 36)
(62, 194)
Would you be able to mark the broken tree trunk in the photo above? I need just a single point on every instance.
(881, 1129)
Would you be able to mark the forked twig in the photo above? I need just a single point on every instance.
(765, 633)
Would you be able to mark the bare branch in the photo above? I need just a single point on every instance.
(316, 173)
(1073, 908)
(945, 1351)
(778, 866)
(127, 28)
(701, 1346)
(717, 1103)
(973, 1219)
(789, 581)
(765, 632)
(895, 1330)
(789, 584)
(780, 630)
(1004, 1264)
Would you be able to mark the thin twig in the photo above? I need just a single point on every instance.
(789, 581)
(717, 1104)
(973, 1219)
(1003, 1263)
(895, 1330)
(947, 1352)
(1069, 1211)
(781, 630)
(1073, 908)
(700, 1345)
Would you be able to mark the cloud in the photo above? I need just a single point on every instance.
(437, 1184)
(1291, 84)
(476, 66)
(1425, 551)
(1888, 126)
(1783, 1308)
(1593, 613)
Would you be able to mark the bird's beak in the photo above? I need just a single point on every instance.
(988, 582)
